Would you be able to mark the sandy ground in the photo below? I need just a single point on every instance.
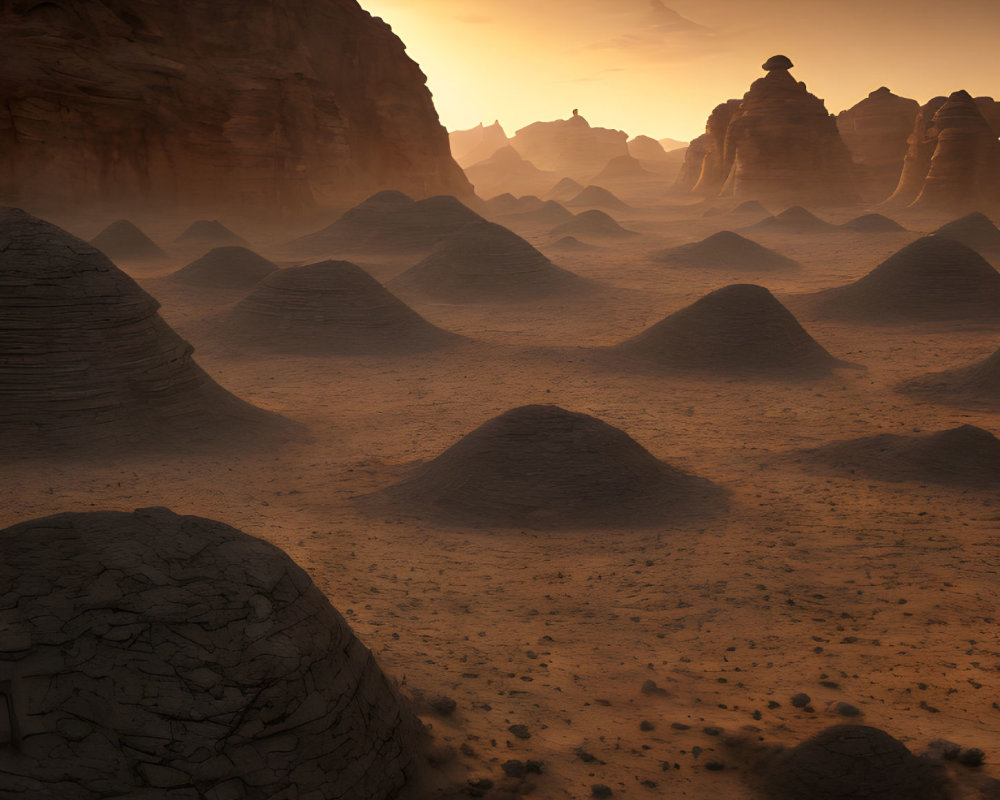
(880, 595)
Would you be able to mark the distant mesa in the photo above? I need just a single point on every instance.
(541, 467)
(507, 171)
(123, 241)
(485, 263)
(623, 168)
(931, 279)
(209, 233)
(975, 230)
(96, 368)
(873, 223)
(963, 456)
(726, 251)
(852, 761)
(565, 190)
(646, 148)
(128, 625)
(330, 308)
(388, 222)
(597, 197)
(570, 147)
(796, 220)
(226, 268)
(594, 224)
(976, 385)
(477, 144)
(671, 145)
(737, 330)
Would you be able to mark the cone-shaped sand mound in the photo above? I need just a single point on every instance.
(333, 307)
(151, 652)
(849, 762)
(548, 214)
(565, 190)
(974, 230)
(389, 222)
(977, 384)
(873, 223)
(727, 251)
(794, 220)
(85, 360)
(737, 330)
(487, 263)
(597, 197)
(123, 241)
(209, 233)
(594, 224)
(963, 456)
(543, 467)
(751, 208)
(931, 279)
(226, 268)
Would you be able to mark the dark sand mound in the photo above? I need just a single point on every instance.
(794, 220)
(565, 190)
(595, 224)
(728, 251)
(547, 214)
(931, 279)
(737, 330)
(123, 241)
(597, 197)
(623, 168)
(226, 268)
(850, 762)
(333, 307)
(388, 222)
(751, 207)
(154, 650)
(963, 456)
(976, 385)
(87, 362)
(541, 466)
(209, 233)
(973, 230)
(572, 243)
(873, 223)
(487, 263)
(506, 204)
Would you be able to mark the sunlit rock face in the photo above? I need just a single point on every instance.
(270, 106)
(705, 169)
(876, 132)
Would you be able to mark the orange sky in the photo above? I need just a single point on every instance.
(659, 71)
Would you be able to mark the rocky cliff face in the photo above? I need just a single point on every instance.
(477, 144)
(570, 147)
(875, 132)
(704, 169)
(269, 105)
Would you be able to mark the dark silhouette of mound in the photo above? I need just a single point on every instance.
(593, 223)
(209, 233)
(226, 268)
(548, 214)
(963, 456)
(389, 222)
(623, 168)
(973, 230)
(729, 251)
(544, 467)
(849, 762)
(88, 363)
(737, 330)
(123, 241)
(597, 197)
(794, 220)
(931, 279)
(752, 207)
(977, 384)
(506, 204)
(572, 243)
(487, 263)
(129, 629)
(333, 307)
(873, 223)
(565, 190)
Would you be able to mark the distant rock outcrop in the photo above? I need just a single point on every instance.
(726, 250)
(570, 147)
(226, 268)
(544, 467)
(147, 653)
(262, 107)
(123, 241)
(477, 144)
(876, 132)
(705, 167)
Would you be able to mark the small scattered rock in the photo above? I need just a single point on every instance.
(847, 710)
(520, 731)
(971, 757)
(800, 700)
(714, 766)
(444, 705)
(600, 790)
(650, 687)
(514, 768)
(646, 725)
(942, 748)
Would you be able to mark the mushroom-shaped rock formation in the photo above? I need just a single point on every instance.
(226, 268)
(794, 220)
(976, 384)
(727, 251)
(123, 241)
(209, 233)
(597, 197)
(847, 762)
(873, 223)
(388, 222)
(777, 62)
(544, 467)
(962, 456)
(594, 224)
(931, 279)
(737, 330)
(330, 308)
(975, 230)
(148, 654)
(487, 263)
(86, 362)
